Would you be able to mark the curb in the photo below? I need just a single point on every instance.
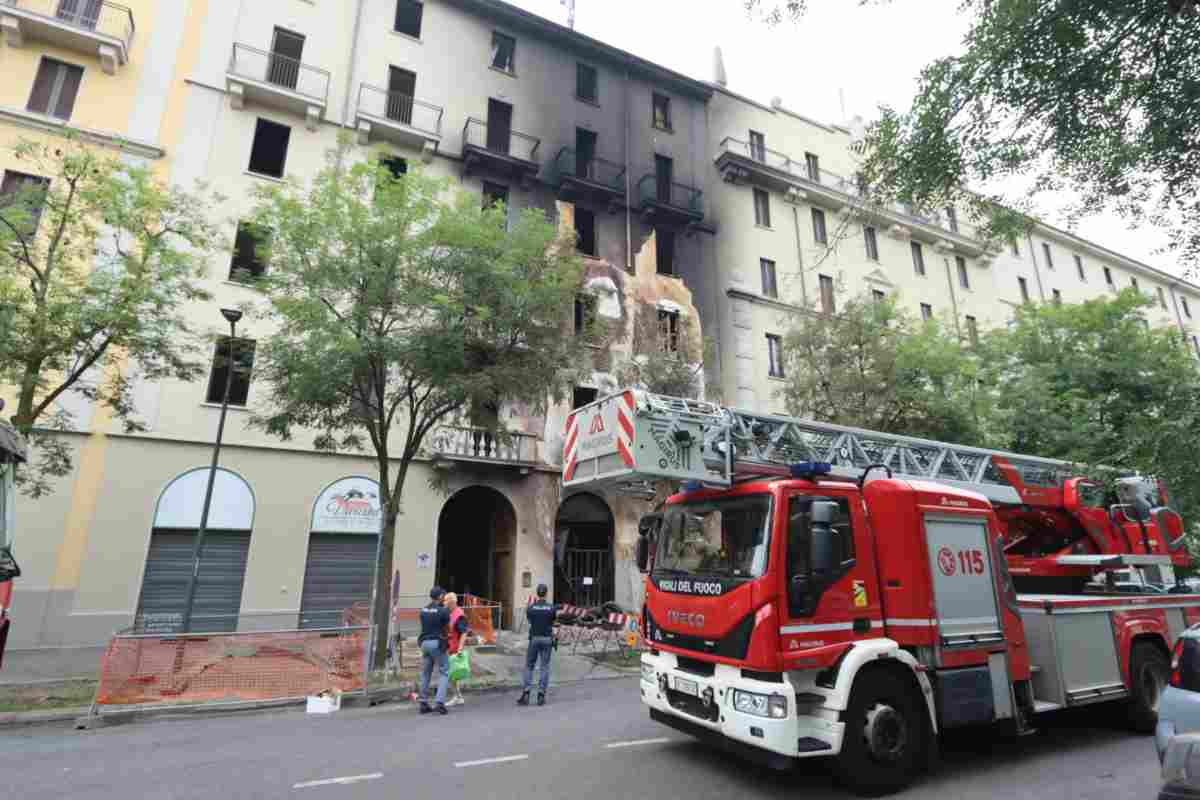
(79, 715)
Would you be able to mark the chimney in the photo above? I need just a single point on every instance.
(719, 68)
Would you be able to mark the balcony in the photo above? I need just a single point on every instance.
(593, 179)
(741, 162)
(275, 80)
(398, 118)
(500, 150)
(456, 443)
(669, 203)
(91, 27)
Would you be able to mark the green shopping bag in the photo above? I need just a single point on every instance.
(460, 665)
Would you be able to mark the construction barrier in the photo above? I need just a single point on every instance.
(620, 632)
(483, 616)
(197, 668)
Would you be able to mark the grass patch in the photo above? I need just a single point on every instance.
(47, 696)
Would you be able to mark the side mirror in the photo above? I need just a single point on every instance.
(825, 555)
(643, 553)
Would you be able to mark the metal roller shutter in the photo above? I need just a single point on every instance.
(218, 588)
(338, 575)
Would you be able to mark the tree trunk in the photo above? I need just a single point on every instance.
(381, 613)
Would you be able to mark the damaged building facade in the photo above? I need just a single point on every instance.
(700, 214)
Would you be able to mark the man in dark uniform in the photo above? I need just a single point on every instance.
(541, 640)
(435, 623)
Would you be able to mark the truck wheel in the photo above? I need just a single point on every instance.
(885, 736)
(1149, 672)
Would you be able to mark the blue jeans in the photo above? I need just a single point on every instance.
(539, 650)
(433, 654)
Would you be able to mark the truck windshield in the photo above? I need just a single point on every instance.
(727, 538)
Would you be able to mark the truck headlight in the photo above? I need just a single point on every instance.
(760, 705)
(647, 673)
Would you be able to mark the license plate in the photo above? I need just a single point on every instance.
(687, 687)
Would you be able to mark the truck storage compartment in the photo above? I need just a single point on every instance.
(1074, 656)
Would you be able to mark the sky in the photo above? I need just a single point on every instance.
(837, 61)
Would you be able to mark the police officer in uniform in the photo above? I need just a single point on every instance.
(435, 649)
(541, 641)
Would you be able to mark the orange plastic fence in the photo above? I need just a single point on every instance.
(479, 616)
(200, 668)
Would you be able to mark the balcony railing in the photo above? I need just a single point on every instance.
(400, 108)
(800, 168)
(651, 190)
(598, 171)
(279, 70)
(456, 441)
(500, 139)
(98, 17)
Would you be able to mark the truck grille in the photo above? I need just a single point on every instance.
(692, 706)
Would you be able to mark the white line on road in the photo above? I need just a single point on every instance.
(482, 761)
(349, 779)
(635, 743)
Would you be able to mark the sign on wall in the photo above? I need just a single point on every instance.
(349, 505)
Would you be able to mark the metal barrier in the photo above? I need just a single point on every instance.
(149, 670)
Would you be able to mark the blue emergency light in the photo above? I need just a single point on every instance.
(692, 486)
(810, 469)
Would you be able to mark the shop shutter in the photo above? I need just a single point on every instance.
(338, 575)
(218, 589)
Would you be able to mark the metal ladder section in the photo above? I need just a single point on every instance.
(764, 444)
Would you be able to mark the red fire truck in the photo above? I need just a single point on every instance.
(12, 452)
(818, 590)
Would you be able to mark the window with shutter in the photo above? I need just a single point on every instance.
(55, 88)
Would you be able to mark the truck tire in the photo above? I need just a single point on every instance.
(886, 735)
(1149, 671)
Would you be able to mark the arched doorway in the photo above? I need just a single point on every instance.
(221, 571)
(477, 532)
(583, 552)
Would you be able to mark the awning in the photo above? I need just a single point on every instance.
(12, 446)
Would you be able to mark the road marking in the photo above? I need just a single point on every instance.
(330, 781)
(636, 742)
(498, 760)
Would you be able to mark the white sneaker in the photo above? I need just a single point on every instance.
(456, 701)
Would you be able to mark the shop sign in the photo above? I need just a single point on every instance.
(350, 505)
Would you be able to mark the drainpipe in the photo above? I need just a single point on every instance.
(800, 258)
(628, 185)
(353, 62)
(953, 297)
(1037, 273)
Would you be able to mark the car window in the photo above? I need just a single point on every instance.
(1189, 665)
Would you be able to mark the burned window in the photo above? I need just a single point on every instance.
(585, 313)
(494, 194)
(661, 109)
(665, 251)
(668, 331)
(585, 231)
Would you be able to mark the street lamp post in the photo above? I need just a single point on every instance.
(232, 315)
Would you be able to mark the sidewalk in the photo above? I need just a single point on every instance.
(507, 662)
(29, 667)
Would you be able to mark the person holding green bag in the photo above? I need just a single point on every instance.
(460, 656)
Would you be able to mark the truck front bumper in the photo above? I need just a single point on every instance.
(703, 706)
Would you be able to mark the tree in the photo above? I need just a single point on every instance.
(1093, 384)
(873, 366)
(396, 309)
(97, 261)
(1097, 97)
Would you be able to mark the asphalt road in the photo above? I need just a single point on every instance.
(594, 740)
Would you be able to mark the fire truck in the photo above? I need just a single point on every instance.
(817, 590)
(12, 452)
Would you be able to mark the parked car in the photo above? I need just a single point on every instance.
(1179, 704)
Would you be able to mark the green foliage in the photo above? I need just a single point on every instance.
(874, 366)
(660, 366)
(396, 308)
(95, 271)
(1097, 97)
(1091, 384)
